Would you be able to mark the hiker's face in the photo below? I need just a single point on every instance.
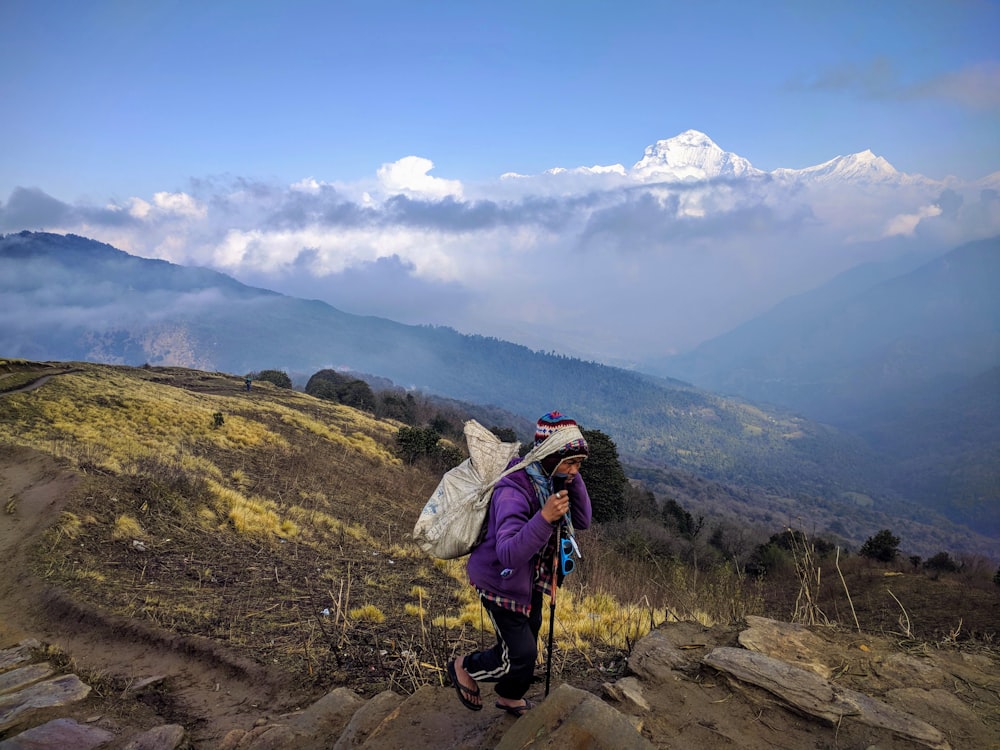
(569, 468)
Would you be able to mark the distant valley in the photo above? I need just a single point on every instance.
(70, 298)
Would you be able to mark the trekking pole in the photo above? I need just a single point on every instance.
(552, 611)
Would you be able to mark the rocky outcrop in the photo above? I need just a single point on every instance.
(772, 684)
(843, 680)
(813, 695)
(568, 718)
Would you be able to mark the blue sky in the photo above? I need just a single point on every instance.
(178, 106)
(122, 98)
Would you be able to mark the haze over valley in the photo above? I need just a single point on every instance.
(94, 302)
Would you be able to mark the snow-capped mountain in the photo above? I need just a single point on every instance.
(864, 166)
(692, 155)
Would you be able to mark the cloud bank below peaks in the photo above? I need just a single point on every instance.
(604, 262)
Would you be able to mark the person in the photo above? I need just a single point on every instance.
(248, 381)
(513, 566)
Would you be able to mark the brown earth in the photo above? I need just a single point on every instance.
(211, 691)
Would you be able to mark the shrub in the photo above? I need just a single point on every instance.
(368, 613)
(126, 527)
(277, 377)
(425, 443)
(941, 563)
(70, 525)
(883, 546)
(676, 518)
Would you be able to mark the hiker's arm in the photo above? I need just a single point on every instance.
(579, 503)
(521, 532)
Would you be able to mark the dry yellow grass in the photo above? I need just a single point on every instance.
(126, 527)
(369, 613)
(288, 515)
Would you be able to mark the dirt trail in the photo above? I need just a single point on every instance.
(210, 691)
(30, 386)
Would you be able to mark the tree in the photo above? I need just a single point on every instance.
(424, 444)
(675, 517)
(415, 442)
(506, 434)
(358, 395)
(342, 389)
(605, 478)
(883, 546)
(401, 408)
(941, 563)
(278, 377)
(640, 502)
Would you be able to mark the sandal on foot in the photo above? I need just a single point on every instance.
(518, 711)
(463, 691)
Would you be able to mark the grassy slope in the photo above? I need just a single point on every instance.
(282, 533)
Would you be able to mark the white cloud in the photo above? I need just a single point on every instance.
(307, 185)
(906, 224)
(139, 208)
(409, 176)
(589, 261)
(181, 204)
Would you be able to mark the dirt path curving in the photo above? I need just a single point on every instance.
(207, 690)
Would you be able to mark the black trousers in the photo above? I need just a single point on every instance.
(511, 662)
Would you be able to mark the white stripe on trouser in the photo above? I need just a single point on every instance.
(504, 668)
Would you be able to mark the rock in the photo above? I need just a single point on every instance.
(656, 656)
(903, 670)
(239, 739)
(142, 684)
(273, 737)
(816, 696)
(367, 719)
(57, 691)
(312, 727)
(24, 676)
(164, 737)
(432, 717)
(627, 690)
(59, 733)
(232, 739)
(573, 718)
(942, 705)
(795, 644)
(329, 714)
(21, 653)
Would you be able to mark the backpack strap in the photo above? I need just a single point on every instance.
(552, 444)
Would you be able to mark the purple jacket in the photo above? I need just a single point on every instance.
(516, 532)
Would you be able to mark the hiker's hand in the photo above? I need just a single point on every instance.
(556, 506)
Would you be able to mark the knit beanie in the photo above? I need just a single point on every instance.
(546, 426)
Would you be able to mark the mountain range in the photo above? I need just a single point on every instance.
(692, 156)
(71, 298)
(864, 343)
(699, 230)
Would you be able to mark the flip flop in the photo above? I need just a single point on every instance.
(517, 711)
(462, 690)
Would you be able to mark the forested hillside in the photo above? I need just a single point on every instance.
(101, 304)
